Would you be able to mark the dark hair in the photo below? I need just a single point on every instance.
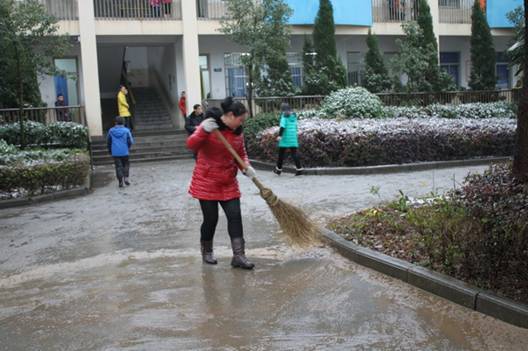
(119, 120)
(216, 113)
(60, 94)
(230, 105)
(213, 112)
(196, 106)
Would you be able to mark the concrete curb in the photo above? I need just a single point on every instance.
(405, 167)
(439, 284)
(59, 195)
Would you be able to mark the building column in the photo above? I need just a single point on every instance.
(92, 97)
(435, 14)
(191, 54)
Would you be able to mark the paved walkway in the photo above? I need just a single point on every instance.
(120, 270)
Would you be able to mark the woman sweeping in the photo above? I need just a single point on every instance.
(214, 178)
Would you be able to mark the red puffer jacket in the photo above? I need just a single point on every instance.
(214, 176)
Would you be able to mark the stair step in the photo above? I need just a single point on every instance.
(139, 156)
(145, 149)
(140, 143)
(153, 159)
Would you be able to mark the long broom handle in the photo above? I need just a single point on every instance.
(230, 149)
(237, 157)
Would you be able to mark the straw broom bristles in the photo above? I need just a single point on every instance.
(300, 230)
(294, 223)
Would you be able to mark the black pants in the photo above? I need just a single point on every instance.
(122, 165)
(293, 153)
(128, 122)
(210, 218)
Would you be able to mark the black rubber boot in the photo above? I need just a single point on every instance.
(277, 171)
(299, 171)
(239, 254)
(207, 252)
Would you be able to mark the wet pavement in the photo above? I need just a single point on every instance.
(120, 270)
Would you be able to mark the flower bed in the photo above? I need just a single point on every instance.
(64, 134)
(35, 172)
(389, 141)
(478, 234)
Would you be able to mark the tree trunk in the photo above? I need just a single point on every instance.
(20, 98)
(520, 161)
(250, 87)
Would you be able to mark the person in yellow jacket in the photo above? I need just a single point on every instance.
(123, 108)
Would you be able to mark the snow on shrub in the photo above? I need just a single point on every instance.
(473, 110)
(353, 102)
(397, 140)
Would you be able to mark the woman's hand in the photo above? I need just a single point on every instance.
(279, 138)
(209, 125)
(250, 172)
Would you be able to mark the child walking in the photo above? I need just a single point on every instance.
(119, 141)
(288, 139)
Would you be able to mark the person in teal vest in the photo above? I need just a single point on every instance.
(288, 139)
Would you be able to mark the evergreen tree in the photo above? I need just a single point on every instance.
(376, 74)
(276, 79)
(261, 28)
(482, 75)
(330, 74)
(28, 44)
(324, 33)
(438, 79)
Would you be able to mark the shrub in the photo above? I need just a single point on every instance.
(34, 156)
(352, 103)
(388, 141)
(497, 204)
(472, 110)
(6, 149)
(31, 178)
(254, 126)
(67, 134)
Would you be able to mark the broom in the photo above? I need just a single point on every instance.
(300, 230)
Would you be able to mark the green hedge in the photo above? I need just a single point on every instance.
(33, 177)
(65, 134)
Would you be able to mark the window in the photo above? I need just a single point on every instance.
(205, 79)
(66, 81)
(296, 68)
(355, 68)
(502, 71)
(236, 76)
(449, 3)
(450, 62)
(388, 56)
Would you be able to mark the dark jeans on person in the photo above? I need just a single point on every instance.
(210, 218)
(122, 166)
(167, 8)
(128, 122)
(293, 153)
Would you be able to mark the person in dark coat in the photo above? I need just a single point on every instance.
(214, 180)
(62, 112)
(119, 141)
(194, 119)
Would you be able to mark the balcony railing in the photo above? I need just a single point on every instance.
(384, 11)
(211, 9)
(138, 9)
(65, 10)
(455, 11)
